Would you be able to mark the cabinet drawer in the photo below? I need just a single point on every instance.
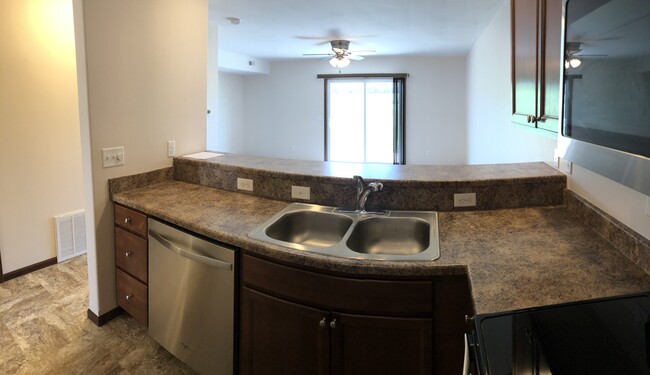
(384, 297)
(131, 220)
(131, 253)
(132, 296)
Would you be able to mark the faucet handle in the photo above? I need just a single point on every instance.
(376, 186)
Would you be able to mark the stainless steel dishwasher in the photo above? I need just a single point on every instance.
(192, 298)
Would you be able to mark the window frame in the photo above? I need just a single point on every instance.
(399, 109)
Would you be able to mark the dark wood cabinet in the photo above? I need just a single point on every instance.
(298, 321)
(281, 337)
(131, 261)
(536, 63)
(370, 345)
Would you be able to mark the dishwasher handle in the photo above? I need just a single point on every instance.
(189, 254)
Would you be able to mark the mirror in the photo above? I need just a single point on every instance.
(282, 114)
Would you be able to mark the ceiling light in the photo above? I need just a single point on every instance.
(575, 62)
(339, 61)
(344, 62)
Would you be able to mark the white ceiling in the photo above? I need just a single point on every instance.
(285, 29)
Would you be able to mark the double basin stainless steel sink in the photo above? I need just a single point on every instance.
(392, 235)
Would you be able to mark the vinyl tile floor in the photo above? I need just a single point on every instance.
(44, 329)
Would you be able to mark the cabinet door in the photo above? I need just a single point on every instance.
(280, 337)
(525, 57)
(552, 61)
(381, 345)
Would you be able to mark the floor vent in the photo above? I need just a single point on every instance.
(70, 235)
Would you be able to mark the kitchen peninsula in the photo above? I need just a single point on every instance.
(528, 245)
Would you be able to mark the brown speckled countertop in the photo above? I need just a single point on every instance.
(515, 258)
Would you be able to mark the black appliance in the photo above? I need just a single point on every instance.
(604, 336)
(606, 89)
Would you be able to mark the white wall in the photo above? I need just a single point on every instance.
(230, 115)
(491, 136)
(212, 132)
(283, 111)
(146, 67)
(40, 149)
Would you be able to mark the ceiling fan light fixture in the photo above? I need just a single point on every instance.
(575, 62)
(344, 62)
(334, 61)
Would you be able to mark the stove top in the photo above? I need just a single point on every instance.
(604, 336)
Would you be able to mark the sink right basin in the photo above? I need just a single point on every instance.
(390, 235)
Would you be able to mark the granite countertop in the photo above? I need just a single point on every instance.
(515, 258)
(420, 173)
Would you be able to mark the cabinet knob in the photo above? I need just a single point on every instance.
(323, 322)
(128, 253)
(333, 323)
(127, 220)
(128, 297)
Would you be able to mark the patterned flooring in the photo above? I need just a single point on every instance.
(44, 329)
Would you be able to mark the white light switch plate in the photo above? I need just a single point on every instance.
(300, 192)
(647, 206)
(112, 157)
(244, 184)
(465, 200)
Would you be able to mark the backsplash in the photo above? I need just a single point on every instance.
(425, 194)
(627, 241)
(119, 184)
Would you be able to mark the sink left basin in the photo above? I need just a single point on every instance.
(310, 228)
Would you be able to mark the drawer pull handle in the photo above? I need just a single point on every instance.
(127, 220)
(322, 322)
(333, 324)
(128, 253)
(128, 297)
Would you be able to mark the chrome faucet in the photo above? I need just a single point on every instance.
(364, 191)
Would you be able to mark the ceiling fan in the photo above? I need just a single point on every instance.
(573, 55)
(341, 55)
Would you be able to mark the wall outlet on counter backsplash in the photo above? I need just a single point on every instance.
(465, 200)
(300, 192)
(171, 149)
(244, 184)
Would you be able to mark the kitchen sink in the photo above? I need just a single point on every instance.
(389, 235)
(310, 228)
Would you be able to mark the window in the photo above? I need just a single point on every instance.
(364, 119)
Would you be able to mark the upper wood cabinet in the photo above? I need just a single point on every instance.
(536, 63)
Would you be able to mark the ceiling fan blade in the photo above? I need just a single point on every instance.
(318, 54)
(355, 57)
(364, 52)
(587, 55)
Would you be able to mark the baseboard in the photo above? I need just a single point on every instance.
(106, 317)
(25, 270)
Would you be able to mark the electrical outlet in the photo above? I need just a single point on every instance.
(465, 200)
(556, 158)
(647, 206)
(300, 192)
(244, 184)
(567, 167)
(113, 157)
(171, 149)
